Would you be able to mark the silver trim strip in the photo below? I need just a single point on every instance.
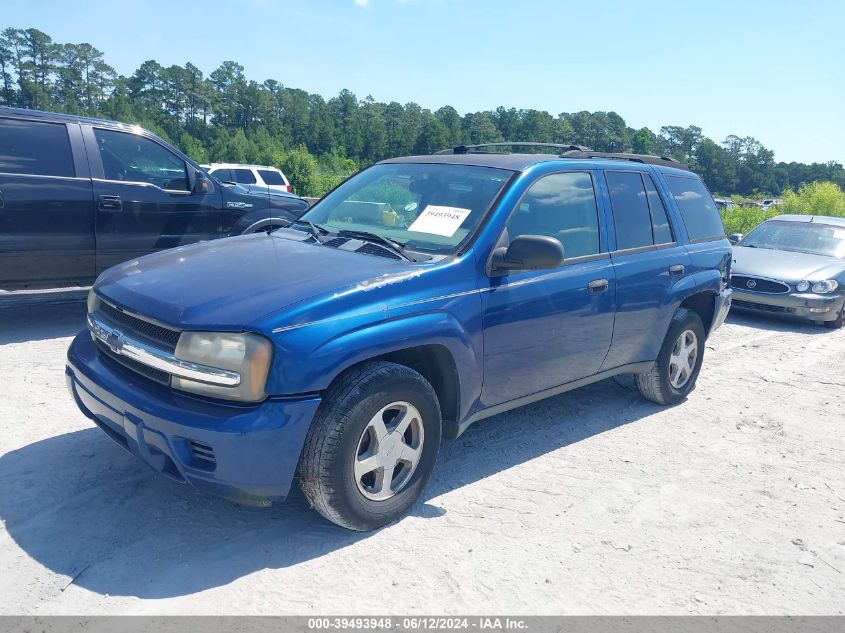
(123, 345)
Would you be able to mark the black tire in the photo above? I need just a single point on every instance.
(326, 470)
(655, 384)
(838, 322)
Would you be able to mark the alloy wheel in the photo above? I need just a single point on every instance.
(682, 359)
(389, 451)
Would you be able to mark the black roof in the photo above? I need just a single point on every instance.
(63, 118)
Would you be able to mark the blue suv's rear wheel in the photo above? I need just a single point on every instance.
(673, 375)
(372, 445)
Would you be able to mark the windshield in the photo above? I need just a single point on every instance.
(434, 208)
(799, 237)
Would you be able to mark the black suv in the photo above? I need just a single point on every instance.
(79, 195)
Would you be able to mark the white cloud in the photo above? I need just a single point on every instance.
(360, 3)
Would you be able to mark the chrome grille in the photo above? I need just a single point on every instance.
(150, 372)
(759, 284)
(160, 336)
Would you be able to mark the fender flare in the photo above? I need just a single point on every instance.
(352, 347)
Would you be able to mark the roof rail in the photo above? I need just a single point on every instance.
(469, 149)
(639, 158)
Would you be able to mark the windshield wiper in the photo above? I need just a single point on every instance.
(314, 230)
(393, 245)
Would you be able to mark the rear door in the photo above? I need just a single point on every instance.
(143, 197)
(46, 206)
(648, 260)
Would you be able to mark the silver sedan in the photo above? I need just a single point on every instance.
(794, 266)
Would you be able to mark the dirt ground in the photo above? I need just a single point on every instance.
(591, 502)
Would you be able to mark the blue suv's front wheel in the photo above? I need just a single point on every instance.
(372, 445)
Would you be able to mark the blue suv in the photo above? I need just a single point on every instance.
(422, 295)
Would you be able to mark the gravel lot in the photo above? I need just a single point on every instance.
(592, 502)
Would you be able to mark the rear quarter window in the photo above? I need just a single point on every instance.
(35, 148)
(697, 208)
(271, 177)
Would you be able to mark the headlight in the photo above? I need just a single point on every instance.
(93, 302)
(825, 287)
(248, 354)
(802, 286)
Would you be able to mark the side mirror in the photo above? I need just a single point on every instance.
(735, 238)
(198, 181)
(529, 252)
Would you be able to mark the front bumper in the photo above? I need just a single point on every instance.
(803, 305)
(246, 453)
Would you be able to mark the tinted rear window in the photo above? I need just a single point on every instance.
(244, 176)
(271, 177)
(697, 208)
(630, 210)
(223, 175)
(34, 147)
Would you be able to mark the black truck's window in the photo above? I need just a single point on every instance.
(631, 216)
(659, 219)
(562, 206)
(244, 176)
(697, 208)
(133, 158)
(36, 148)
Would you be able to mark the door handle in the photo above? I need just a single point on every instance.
(2, 199)
(597, 286)
(677, 269)
(110, 203)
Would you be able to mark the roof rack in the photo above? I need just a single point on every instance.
(569, 151)
(639, 158)
(471, 149)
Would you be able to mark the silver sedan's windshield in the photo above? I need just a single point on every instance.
(799, 237)
(428, 207)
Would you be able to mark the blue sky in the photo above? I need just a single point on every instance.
(773, 70)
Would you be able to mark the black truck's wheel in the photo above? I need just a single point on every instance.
(673, 375)
(372, 446)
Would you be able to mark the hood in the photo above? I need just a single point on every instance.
(785, 265)
(227, 284)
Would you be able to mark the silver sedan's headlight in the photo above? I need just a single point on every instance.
(825, 287)
(249, 355)
(802, 286)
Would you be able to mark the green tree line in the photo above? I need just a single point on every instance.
(228, 117)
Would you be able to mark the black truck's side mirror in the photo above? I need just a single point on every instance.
(529, 252)
(735, 238)
(197, 181)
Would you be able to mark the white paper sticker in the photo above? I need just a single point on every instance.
(439, 220)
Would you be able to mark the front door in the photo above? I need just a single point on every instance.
(546, 328)
(46, 207)
(143, 198)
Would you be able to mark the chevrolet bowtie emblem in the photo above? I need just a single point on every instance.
(114, 340)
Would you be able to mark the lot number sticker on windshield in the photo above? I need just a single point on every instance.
(439, 220)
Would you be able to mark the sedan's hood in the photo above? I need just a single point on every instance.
(228, 283)
(784, 265)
